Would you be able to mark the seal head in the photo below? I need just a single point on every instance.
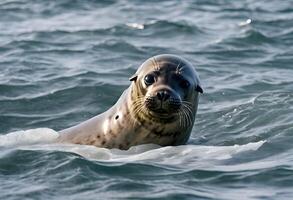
(166, 88)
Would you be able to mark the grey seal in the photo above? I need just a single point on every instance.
(158, 107)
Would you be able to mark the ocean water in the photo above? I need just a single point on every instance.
(62, 62)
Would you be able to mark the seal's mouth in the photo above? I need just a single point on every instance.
(162, 114)
(161, 111)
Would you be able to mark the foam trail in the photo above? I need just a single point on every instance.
(185, 155)
(28, 137)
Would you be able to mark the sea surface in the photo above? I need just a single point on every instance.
(65, 61)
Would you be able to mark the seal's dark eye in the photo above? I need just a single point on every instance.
(149, 79)
(184, 84)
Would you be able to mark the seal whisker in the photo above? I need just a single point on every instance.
(189, 113)
(138, 105)
(137, 108)
(179, 114)
(187, 103)
(139, 101)
(189, 108)
(187, 119)
(183, 117)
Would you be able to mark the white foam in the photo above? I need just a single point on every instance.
(245, 23)
(185, 155)
(190, 156)
(28, 137)
(136, 26)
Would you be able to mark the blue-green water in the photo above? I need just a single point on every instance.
(62, 62)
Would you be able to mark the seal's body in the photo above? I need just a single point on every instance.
(159, 107)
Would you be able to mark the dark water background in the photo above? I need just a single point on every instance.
(62, 62)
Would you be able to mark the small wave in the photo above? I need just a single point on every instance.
(244, 40)
(119, 29)
(57, 84)
(168, 27)
(257, 37)
(120, 46)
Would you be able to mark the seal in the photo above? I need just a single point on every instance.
(158, 107)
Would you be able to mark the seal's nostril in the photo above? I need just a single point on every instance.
(160, 95)
(163, 95)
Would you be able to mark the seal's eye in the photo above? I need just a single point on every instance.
(184, 84)
(149, 79)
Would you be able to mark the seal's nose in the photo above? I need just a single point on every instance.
(163, 95)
